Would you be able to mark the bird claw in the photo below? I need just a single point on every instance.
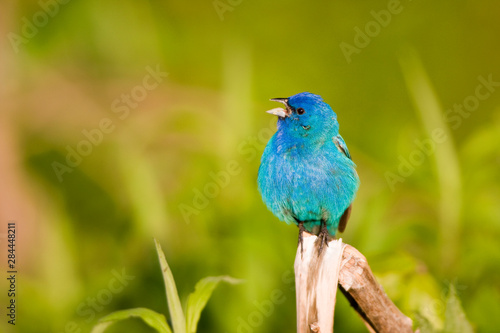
(301, 238)
(323, 237)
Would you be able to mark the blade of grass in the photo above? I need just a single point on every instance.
(140, 181)
(456, 321)
(427, 104)
(150, 317)
(174, 303)
(200, 296)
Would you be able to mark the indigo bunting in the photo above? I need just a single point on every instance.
(306, 175)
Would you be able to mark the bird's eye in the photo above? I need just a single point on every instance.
(300, 111)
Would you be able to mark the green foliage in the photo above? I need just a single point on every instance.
(174, 303)
(196, 303)
(455, 319)
(200, 296)
(150, 317)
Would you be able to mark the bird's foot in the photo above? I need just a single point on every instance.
(323, 237)
(301, 238)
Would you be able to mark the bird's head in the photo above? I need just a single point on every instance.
(306, 115)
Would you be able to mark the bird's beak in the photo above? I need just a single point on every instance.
(280, 112)
(281, 100)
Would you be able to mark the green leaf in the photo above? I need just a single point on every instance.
(200, 296)
(424, 325)
(150, 317)
(455, 319)
(174, 304)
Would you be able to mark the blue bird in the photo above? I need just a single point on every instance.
(306, 176)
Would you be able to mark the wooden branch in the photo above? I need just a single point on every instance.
(316, 280)
(357, 283)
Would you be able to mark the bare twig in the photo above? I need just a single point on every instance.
(316, 279)
(357, 283)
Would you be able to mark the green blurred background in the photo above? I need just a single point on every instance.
(180, 162)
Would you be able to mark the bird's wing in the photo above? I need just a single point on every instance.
(344, 218)
(342, 147)
(339, 142)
